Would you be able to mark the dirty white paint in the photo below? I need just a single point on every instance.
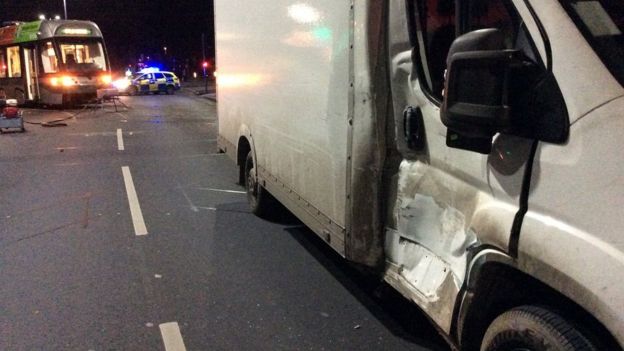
(207, 208)
(66, 148)
(120, 142)
(434, 230)
(188, 200)
(223, 190)
(428, 249)
(172, 337)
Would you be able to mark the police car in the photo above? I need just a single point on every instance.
(149, 81)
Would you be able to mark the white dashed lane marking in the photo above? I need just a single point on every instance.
(172, 337)
(120, 143)
(133, 201)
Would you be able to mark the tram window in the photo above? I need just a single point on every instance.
(3, 65)
(87, 56)
(48, 58)
(14, 63)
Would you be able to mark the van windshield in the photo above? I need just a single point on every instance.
(602, 24)
(83, 56)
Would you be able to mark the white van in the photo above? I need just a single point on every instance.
(468, 151)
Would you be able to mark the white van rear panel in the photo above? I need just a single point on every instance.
(301, 56)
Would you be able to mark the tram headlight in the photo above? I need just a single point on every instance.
(106, 79)
(65, 81)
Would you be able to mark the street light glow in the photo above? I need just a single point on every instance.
(42, 17)
(304, 14)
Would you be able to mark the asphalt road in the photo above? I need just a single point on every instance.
(87, 265)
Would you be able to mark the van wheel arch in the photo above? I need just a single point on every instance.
(500, 288)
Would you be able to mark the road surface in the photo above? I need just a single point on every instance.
(126, 231)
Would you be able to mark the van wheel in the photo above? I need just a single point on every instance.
(531, 328)
(260, 201)
(133, 91)
(170, 90)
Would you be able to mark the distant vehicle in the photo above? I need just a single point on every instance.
(53, 61)
(149, 81)
(467, 151)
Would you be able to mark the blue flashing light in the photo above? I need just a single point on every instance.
(149, 70)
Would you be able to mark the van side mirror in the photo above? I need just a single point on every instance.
(475, 105)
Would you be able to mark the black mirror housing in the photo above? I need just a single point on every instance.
(475, 103)
(476, 92)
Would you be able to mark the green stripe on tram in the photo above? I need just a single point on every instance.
(27, 31)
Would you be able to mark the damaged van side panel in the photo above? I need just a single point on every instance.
(445, 201)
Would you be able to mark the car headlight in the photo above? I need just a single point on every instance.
(121, 84)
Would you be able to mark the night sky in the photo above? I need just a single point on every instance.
(132, 27)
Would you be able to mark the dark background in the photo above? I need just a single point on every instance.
(133, 27)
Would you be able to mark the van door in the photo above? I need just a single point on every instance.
(447, 202)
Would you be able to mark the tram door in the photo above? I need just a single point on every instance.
(30, 74)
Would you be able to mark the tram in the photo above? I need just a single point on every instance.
(53, 62)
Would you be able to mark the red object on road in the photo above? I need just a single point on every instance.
(10, 112)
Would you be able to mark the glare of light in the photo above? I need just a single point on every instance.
(76, 31)
(57, 17)
(121, 84)
(42, 17)
(194, 74)
(149, 70)
(303, 13)
(106, 79)
(238, 80)
(65, 81)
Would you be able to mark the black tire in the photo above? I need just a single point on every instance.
(133, 91)
(170, 90)
(531, 328)
(261, 202)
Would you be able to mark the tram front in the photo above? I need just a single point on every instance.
(73, 62)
